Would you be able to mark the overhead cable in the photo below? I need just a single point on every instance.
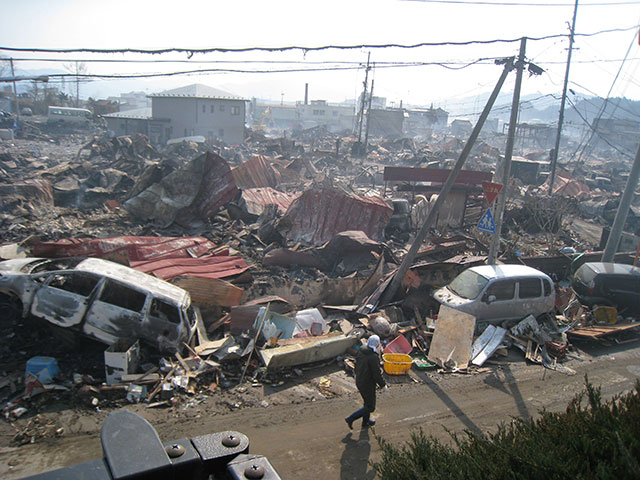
(193, 51)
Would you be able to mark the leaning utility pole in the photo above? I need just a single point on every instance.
(364, 99)
(623, 210)
(433, 213)
(554, 160)
(366, 132)
(502, 198)
(16, 103)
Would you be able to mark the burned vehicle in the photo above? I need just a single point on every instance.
(495, 293)
(100, 299)
(610, 284)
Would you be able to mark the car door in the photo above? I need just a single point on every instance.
(64, 297)
(530, 298)
(497, 301)
(116, 313)
(165, 321)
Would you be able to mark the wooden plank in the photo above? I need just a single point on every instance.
(452, 338)
(596, 331)
(210, 291)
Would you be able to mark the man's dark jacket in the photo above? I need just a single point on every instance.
(368, 375)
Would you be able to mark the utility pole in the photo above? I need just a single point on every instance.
(502, 198)
(16, 102)
(554, 160)
(422, 233)
(364, 99)
(366, 132)
(623, 210)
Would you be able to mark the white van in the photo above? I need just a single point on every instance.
(495, 293)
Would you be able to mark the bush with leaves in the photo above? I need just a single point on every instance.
(589, 440)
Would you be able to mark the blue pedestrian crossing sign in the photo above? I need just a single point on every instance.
(486, 223)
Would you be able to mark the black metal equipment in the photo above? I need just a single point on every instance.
(133, 450)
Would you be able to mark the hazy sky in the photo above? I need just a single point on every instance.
(142, 24)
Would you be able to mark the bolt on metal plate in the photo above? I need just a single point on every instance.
(254, 472)
(174, 450)
(231, 441)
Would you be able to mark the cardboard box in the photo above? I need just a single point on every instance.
(121, 358)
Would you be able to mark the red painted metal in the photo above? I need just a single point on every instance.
(217, 188)
(207, 267)
(317, 215)
(134, 248)
(256, 172)
(434, 175)
(256, 199)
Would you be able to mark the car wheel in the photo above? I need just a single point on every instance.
(10, 308)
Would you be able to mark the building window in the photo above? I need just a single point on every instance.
(220, 132)
(221, 108)
(335, 113)
(235, 110)
(185, 132)
(318, 112)
(211, 108)
(204, 109)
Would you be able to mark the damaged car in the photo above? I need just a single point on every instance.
(611, 284)
(100, 299)
(495, 293)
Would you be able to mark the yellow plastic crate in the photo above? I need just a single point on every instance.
(396, 363)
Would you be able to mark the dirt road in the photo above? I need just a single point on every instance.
(309, 439)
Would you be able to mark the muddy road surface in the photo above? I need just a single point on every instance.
(306, 437)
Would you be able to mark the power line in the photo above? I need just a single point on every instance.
(291, 62)
(525, 4)
(594, 131)
(261, 71)
(193, 51)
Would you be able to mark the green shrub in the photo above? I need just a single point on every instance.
(594, 441)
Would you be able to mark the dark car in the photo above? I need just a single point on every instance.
(614, 284)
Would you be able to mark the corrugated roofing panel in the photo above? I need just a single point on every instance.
(318, 215)
(255, 199)
(134, 248)
(207, 267)
(255, 172)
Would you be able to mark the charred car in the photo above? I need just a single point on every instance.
(100, 299)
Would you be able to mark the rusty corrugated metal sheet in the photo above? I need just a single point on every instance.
(130, 247)
(207, 267)
(255, 172)
(217, 188)
(199, 188)
(317, 215)
(255, 199)
(35, 190)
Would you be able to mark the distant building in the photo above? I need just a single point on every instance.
(425, 121)
(334, 117)
(388, 122)
(197, 110)
(185, 112)
(533, 135)
(617, 131)
(132, 101)
(129, 122)
(461, 127)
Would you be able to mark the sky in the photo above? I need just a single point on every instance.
(603, 64)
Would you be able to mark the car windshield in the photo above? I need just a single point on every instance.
(468, 284)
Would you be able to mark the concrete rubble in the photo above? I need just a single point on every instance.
(282, 244)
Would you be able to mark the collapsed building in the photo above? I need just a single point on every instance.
(286, 247)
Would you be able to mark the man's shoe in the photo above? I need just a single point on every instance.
(368, 424)
(349, 423)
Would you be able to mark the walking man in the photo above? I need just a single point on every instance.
(368, 375)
